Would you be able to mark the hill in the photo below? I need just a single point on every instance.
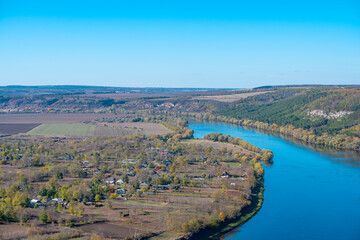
(326, 110)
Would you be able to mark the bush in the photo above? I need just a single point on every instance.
(43, 217)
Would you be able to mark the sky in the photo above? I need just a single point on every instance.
(205, 44)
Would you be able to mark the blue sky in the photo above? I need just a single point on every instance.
(235, 44)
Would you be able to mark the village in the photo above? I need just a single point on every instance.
(136, 182)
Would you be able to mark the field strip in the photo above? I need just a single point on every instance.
(229, 97)
(63, 129)
(124, 129)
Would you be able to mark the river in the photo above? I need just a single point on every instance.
(309, 194)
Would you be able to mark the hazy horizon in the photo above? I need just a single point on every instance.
(179, 44)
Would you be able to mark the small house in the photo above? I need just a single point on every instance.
(120, 182)
(34, 201)
(120, 191)
(225, 175)
(110, 180)
(164, 187)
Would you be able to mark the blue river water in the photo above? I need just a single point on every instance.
(309, 193)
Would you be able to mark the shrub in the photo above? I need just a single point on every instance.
(43, 217)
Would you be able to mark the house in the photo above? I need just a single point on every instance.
(34, 201)
(120, 191)
(164, 187)
(110, 180)
(120, 182)
(225, 175)
(59, 201)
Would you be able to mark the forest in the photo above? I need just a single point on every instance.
(293, 111)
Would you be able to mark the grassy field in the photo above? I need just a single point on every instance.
(234, 164)
(82, 129)
(64, 129)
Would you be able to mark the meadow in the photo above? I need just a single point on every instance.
(104, 129)
(64, 129)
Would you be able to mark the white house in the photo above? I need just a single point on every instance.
(120, 182)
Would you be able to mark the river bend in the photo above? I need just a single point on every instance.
(309, 193)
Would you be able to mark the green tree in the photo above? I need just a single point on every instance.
(43, 217)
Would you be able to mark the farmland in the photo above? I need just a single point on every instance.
(15, 128)
(113, 129)
(63, 129)
(54, 117)
(123, 129)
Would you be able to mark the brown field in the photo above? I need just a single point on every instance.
(109, 230)
(15, 128)
(228, 98)
(123, 129)
(13, 231)
(54, 117)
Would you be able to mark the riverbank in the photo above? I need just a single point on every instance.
(340, 142)
(300, 181)
(229, 224)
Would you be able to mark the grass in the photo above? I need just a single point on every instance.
(82, 129)
(67, 129)
(234, 164)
